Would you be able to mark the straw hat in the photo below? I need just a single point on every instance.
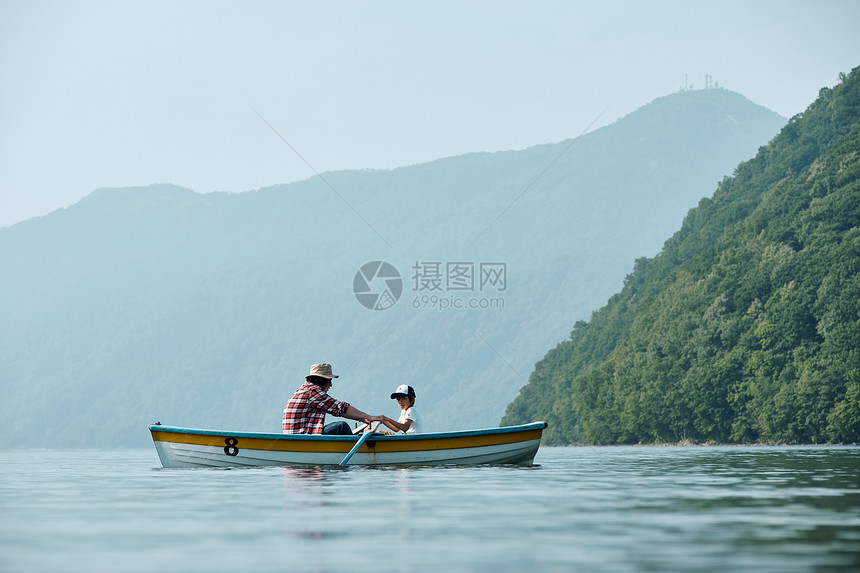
(322, 370)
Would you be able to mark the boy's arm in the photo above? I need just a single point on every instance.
(396, 426)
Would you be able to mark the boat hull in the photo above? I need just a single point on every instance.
(185, 447)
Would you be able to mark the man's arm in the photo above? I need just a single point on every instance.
(354, 413)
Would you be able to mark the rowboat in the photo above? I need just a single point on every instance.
(187, 448)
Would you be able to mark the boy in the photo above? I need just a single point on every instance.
(408, 421)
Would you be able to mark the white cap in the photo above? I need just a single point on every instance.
(403, 390)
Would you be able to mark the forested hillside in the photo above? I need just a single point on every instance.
(746, 327)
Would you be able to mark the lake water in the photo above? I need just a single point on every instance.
(578, 509)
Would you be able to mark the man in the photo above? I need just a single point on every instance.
(306, 410)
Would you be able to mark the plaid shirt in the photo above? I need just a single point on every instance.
(306, 410)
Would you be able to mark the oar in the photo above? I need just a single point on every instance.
(357, 445)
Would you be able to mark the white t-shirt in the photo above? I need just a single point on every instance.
(409, 414)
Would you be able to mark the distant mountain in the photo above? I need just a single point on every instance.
(157, 303)
(746, 327)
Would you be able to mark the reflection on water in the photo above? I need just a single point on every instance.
(588, 509)
(310, 492)
(306, 494)
(404, 503)
(302, 475)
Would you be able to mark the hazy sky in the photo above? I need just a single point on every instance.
(113, 94)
